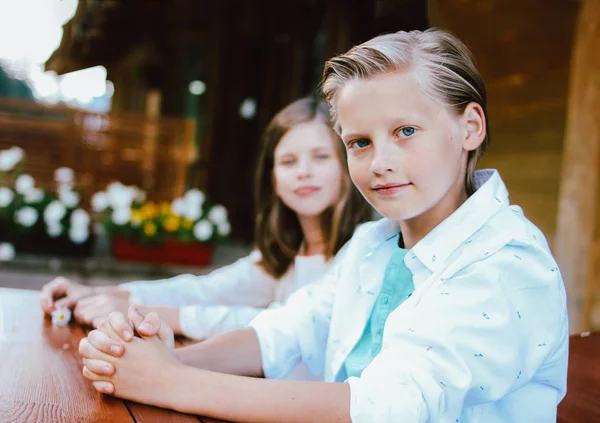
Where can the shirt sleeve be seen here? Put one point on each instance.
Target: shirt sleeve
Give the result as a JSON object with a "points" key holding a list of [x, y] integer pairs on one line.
{"points": [[205, 321], [474, 338], [298, 330], [241, 283]]}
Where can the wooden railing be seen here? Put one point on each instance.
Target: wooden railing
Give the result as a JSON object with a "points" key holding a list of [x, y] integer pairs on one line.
{"points": [[152, 153]]}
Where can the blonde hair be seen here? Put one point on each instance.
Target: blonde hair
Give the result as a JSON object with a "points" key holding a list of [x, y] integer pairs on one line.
{"points": [[441, 64]]}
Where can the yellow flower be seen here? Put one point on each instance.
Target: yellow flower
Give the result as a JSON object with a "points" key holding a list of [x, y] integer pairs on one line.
{"points": [[150, 229], [149, 210], [171, 224], [165, 208], [136, 217], [187, 224]]}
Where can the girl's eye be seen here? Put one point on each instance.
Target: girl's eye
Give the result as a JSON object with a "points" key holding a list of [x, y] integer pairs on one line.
{"points": [[407, 131], [288, 162], [322, 156]]}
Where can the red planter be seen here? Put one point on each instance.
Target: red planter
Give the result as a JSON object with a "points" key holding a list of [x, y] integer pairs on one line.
{"points": [[170, 252]]}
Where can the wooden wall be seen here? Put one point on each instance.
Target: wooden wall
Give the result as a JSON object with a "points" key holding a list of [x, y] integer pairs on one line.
{"points": [[523, 50]]}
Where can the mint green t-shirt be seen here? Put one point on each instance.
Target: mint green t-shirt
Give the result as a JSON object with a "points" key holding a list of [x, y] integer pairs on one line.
{"points": [[396, 288]]}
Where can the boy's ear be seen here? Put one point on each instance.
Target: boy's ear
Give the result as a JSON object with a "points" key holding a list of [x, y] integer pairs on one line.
{"points": [[473, 120]]}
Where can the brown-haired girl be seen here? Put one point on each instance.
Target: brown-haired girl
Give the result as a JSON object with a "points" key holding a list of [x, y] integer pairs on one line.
{"points": [[307, 208]]}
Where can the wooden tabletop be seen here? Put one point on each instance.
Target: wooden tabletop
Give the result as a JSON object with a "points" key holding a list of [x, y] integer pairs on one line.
{"points": [[40, 372]]}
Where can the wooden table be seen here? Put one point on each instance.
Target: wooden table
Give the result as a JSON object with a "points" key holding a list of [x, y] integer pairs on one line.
{"points": [[40, 373]]}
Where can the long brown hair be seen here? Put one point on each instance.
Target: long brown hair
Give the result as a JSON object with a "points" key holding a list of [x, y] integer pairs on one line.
{"points": [[278, 233]]}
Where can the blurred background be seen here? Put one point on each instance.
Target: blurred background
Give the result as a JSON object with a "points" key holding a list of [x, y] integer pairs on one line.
{"points": [[171, 96]]}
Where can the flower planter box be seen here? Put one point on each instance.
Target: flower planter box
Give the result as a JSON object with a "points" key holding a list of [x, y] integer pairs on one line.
{"points": [[38, 242], [169, 252]]}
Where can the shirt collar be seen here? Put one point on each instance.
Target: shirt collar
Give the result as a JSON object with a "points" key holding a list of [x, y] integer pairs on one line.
{"points": [[489, 196], [432, 251]]}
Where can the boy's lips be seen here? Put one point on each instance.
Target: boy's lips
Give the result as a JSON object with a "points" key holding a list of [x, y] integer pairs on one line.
{"points": [[390, 189]]}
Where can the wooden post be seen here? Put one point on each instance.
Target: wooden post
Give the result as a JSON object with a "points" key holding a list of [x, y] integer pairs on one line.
{"points": [[577, 239]]}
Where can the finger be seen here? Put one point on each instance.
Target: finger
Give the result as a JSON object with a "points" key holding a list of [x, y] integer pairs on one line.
{"points": [[87, 350], [100, 367], [89, 375], [147, 326], [65, 302], [121, 326], [102, 342], [154, 325], [54, 288], [136, 317], [84, 313], [105, 326], [104, 387], [79, 311]]}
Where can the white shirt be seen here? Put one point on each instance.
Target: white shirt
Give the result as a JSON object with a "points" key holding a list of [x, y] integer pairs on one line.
{"points": [[230, 297], [483, 338]]}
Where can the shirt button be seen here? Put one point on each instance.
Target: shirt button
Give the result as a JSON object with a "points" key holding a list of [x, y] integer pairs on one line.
{"points": [[379, 331], [386, 300]]}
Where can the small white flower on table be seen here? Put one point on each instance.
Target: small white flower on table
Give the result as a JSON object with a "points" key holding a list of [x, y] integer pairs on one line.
{"points": [[61, 316]]}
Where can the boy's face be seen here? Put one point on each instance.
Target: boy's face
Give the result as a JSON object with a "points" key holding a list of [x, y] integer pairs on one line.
{"points": [[405, 150]]}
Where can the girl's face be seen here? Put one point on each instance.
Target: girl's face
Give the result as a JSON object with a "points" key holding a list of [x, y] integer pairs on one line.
{"points": [[406, 152], [307, 171]]}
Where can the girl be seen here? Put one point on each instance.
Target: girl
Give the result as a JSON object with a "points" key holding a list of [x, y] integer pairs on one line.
{"points": [[307, 208], [450, 309]]}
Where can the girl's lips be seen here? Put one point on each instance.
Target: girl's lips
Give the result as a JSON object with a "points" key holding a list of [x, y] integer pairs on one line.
{"points": [[306, 191]]}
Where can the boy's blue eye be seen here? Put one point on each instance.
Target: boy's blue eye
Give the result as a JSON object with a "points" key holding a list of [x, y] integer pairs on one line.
{"points": [[408, 131], [362, 143]]}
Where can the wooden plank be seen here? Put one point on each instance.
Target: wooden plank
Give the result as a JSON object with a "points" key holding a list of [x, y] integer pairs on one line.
{"points": [[577, 222], [582, 403], [40, 371]]}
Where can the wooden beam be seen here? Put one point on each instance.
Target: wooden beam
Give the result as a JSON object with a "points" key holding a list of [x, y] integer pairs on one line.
{"points": [[577, 239]]}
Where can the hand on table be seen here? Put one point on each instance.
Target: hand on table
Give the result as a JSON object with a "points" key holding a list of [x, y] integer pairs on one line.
{"points": [[120, 364]]}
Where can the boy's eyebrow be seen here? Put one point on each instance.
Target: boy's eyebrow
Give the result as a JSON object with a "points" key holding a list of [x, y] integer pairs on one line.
{"points": [[350, 134], [391, 122]]}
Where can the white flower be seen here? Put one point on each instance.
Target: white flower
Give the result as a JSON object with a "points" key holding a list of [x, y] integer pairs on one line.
{"points": [[203, 230], [80, 218], [178, 206], [194, 197], [61, 316], [34, 196], [192, 213], [9, 158], [17, 153], [27, 216], [120, 196], [224, 228], [7, 252], [6, 196], [64, 175], [24, 184], [99, 201], [79, 234], [121, 216], [54, 230], [218, 214], [67, 196], [54, 213]]}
